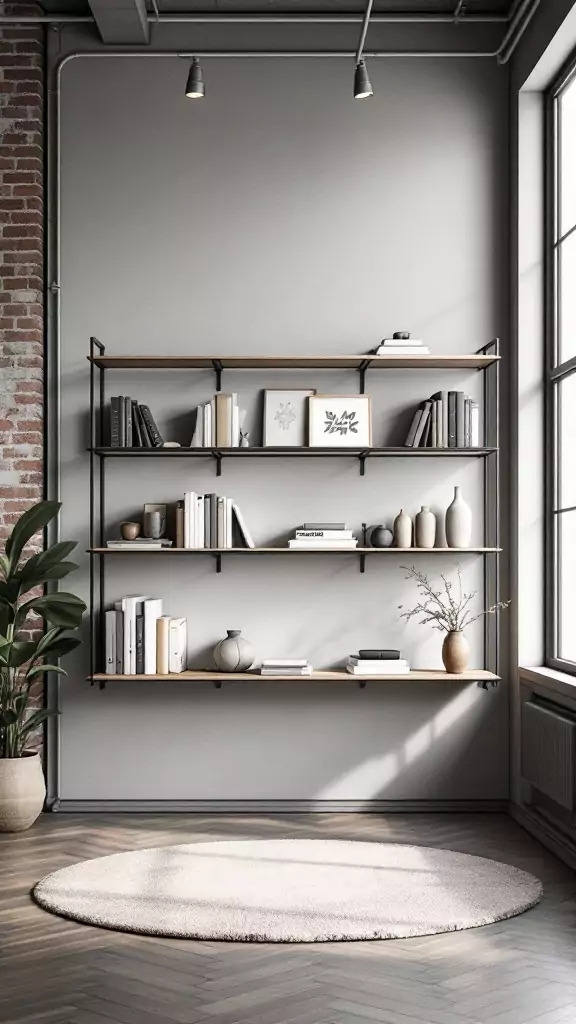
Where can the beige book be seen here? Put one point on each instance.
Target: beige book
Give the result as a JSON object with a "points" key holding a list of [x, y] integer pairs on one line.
{"points": [[180, 525], [223, 420], [162, 644]]}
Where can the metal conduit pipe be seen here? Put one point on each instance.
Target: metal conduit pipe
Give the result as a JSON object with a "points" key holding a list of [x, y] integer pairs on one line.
{"points": [[267, 19], [522, 16]]}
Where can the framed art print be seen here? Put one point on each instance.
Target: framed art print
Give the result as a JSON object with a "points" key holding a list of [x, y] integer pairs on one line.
{"points": [[286, 418], [340, 421]]}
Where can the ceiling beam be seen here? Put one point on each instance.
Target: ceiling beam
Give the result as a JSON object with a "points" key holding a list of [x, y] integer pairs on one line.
{"points": [[122, 22]]}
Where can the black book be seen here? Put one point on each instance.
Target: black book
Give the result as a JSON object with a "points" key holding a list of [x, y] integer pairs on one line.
{"points": [[377, 655], [146, 442], [128, 421], [211, 515], [115, 405], [136, 432], [452, 419], [426, 432], [122, 422], [139, 645], [155, 435], [460, 419]]}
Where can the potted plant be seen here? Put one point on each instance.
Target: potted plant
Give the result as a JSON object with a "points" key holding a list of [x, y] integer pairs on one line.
{"points": [[449, 610], [23, 660]]}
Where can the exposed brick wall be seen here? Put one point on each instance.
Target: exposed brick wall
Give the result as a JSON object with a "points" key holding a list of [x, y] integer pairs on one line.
{"points": [[21, 265]]}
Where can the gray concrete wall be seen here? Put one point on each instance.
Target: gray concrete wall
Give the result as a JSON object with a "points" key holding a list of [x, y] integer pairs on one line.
{"points": [[278, 216]]}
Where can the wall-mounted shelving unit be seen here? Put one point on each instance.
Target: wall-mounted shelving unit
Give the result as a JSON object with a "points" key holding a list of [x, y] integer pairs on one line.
{"points": [[487, 360]]}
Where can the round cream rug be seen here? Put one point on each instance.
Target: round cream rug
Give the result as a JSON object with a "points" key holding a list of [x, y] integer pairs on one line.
{"points": [[289, 890]]}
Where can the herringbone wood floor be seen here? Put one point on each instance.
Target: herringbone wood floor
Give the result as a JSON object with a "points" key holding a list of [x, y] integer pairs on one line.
{"points": [[58, 972]]}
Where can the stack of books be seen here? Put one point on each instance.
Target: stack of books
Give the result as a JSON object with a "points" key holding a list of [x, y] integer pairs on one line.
{"points": [[217, 423], [402, 347], [140, 544], [132, 425], [377, 663], [448, 419], [323, 535], [210, 521], [286, 667], [140, 640]]}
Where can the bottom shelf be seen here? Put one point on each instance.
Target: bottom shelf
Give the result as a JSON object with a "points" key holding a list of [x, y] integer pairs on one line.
{"points": [[478, 675]]}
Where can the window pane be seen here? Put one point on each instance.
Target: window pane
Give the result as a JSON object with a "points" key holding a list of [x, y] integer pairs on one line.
{"points": [[567, 168], [567, 297], [566, 395], [567, 586]]}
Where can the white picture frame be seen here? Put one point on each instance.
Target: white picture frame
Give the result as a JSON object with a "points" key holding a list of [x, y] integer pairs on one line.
{"points": [[286, 418], [340, 421]]}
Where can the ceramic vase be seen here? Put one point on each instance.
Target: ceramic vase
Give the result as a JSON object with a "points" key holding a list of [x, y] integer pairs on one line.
{"points": [[402, 530], [381, 537], [455, 652], [22, 792], [425, 528], [458, 522], [234, 653]]}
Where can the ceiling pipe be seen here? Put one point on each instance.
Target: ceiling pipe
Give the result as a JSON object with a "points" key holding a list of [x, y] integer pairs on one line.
{"points": [[521, 17], [265, 19]]}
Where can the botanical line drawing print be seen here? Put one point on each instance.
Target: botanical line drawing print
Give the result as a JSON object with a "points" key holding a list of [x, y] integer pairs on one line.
{"points": [[344, 424], [285, 416]]}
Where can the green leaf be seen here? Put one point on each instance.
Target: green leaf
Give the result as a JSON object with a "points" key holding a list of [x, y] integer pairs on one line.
{"points": [[35, 720], [35, 519], [61, 609], [55, 572], [18, 653], [7, 717], [44, 668], [62, 647], [34, 569]]}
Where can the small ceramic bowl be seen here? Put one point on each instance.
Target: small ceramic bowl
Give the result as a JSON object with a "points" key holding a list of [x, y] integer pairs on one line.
{"points": [[130, 531]]}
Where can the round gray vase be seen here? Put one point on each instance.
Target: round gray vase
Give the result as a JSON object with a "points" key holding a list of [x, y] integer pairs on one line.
{"points": [[234, 653]]}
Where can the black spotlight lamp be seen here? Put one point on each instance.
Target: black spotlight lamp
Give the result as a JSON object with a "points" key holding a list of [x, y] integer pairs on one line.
{"points": [[195, 83], [362, 87]]}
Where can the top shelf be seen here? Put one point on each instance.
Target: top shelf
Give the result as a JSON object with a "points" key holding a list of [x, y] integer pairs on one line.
{"points": [[357, 362]]}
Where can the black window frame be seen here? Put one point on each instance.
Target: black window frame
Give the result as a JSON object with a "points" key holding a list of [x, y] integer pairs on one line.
{"points": [[554, 371]]}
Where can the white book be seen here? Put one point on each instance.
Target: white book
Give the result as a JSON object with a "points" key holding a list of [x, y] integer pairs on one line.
{"points": [[119, 638], [444, 419], [244, 531], [235, 421], [131, 606], [110, 620], [189, 505], [474, 425], [285, 663], [221, 523], [199, 522], [198, 435], [403, 350], [212, 433], [177, 644], [286, 671], [162, 645], [379, 665], [358, 670], [401, 341], [325, 534], [207, 414], [228, 506], [434, 425], [319, 544], [133, 545], [152, 612], [421, 425]]}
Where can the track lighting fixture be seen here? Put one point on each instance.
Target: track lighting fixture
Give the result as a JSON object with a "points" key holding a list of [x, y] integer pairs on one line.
{"points": [[362, 87], [195, 83]]}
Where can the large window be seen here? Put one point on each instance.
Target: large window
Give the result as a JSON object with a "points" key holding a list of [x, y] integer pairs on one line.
{"points": [[561, 373]]}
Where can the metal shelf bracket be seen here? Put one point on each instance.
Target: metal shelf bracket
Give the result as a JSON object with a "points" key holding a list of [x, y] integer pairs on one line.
{"points": [[217, 364]]}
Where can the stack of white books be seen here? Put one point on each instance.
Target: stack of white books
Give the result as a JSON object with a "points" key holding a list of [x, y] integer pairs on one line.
{"points": [[140, 640], [402, 347], [286, 667], [323, 535], [377, 663], [217, 423]]}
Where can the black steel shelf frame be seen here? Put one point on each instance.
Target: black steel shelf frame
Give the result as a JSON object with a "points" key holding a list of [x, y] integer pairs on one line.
{"points": [[490, 453]]}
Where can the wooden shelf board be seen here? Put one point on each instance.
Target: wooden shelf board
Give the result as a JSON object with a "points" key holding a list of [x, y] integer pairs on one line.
{"points": [[290, 551], [343, 362], [391, 452], [321, 675]]}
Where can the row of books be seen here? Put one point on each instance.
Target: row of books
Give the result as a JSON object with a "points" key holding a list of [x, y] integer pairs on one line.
{"points": [[132, 425], [377, 663], [140, 640], [210, 521], [286, 667], [323, 535], [448, 419], [217, 423]]}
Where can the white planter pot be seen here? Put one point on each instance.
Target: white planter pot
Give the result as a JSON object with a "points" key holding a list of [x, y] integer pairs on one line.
{"points": [[22, 792]]}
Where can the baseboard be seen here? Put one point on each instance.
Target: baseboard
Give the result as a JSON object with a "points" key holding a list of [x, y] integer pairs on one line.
{"points": [[279, 806], [544, 831]]}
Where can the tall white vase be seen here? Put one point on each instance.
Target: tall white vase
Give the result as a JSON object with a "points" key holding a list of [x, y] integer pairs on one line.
{"points": [[458, 522], [402, 530]]}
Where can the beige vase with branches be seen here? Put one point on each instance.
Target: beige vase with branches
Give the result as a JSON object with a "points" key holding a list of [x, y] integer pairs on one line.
{"points": [[455, 652]]}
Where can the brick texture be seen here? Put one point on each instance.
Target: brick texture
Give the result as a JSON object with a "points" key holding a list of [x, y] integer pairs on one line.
{"points": [[21, 265]]}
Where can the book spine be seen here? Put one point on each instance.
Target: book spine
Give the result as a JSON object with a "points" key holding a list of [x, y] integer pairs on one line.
{"points": [[110, 619], [212, 419], [162, 644], [467, 405], [234, 421], [180, 524], [474, 425], [139, 645], [121, 422], [434, 431], [451, 419], [206, 514], [211, 511], [444, 419], [152, 612], [460, 407], [188, 501], [221, 524], [325, 534], [223, 421], [137, 441], [119, 642], [200, 513], [409, 442], [177, 645], [155, 435], [128, 421], [115, 422], [198, 435]]}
